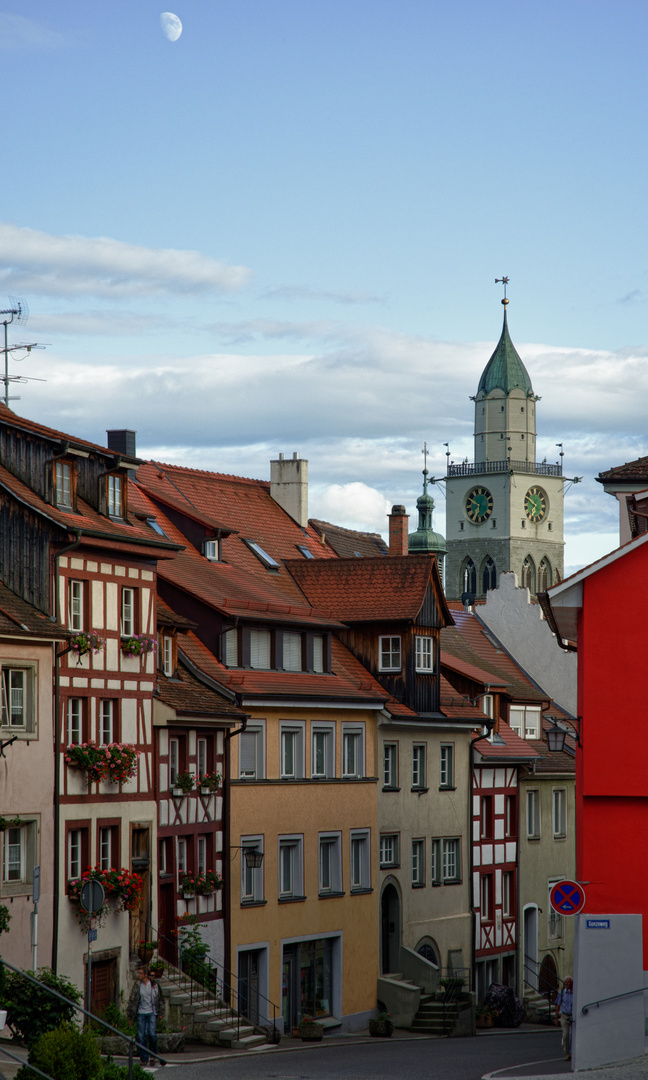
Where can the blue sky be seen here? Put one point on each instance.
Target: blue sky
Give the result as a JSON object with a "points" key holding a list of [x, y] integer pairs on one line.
{"points": [[281, 232]]}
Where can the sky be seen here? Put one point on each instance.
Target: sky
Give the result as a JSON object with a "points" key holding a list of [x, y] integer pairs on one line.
{"points": [[281, 232]]}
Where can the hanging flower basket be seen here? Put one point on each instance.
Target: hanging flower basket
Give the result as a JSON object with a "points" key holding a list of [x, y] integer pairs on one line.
{"points": [[84, 643], [119, 885], [210, 782], [138, 645], [116, 762]]}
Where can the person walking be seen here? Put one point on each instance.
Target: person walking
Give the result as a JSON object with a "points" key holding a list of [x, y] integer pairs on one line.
{"points": [[145, 1004], [564, 1014]]}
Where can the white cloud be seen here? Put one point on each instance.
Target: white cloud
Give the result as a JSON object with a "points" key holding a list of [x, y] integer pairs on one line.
{"points": [[38, 262], [354, 505], [18, 34]]}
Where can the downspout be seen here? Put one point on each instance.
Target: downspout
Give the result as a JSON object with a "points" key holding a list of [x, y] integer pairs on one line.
{"points": [[226, 841], [58, 653]]}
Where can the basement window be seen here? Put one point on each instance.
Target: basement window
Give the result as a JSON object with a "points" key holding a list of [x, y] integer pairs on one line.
{"points": [[267, 560]]}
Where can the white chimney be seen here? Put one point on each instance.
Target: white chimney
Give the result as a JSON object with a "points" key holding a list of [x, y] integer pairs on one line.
{"points": [[289, 487]]}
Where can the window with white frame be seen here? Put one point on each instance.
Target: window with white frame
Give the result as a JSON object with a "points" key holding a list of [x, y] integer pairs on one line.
{"points": [[128, 612], [418, 765], [292, 751], [322, 751], [181, 853], [292, 651], [451, 861], [174, 761], [201, 854], [291, 867], [525, 720], [212, 550], [114, 496], [555, 923], [76, 853], [353, 751], [446, 765], [75, 721], [418, 863], [64, 485], [390, 765], [76, 613], [106, 847], [390, 653], [508, 893], [251, 876], [424, 654], [559, 798], [318, 653], [18, 699], [231, 648], [330, 864], [18, 857], [106, 721], [260, 649], [251, 753], [486, 912], [388, 850], [360, 860], [533, 814], [510, 816], [435, 863], [201, 757], [167, 655]]}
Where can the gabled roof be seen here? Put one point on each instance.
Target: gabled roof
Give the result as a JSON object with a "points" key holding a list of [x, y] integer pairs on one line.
{"points": [[464, 667], [469, 640], [18, 619], [393, 587], [9, 418], [505, 370], [506, 746], [350, 543], [189, 696]]}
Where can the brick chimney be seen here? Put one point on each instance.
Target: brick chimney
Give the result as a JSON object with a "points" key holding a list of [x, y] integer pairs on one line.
{"points": [[289, 487], [398, 520]]}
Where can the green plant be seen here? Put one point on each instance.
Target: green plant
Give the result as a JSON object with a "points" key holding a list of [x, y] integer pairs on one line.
{"points": [[138, 645], [193, 949], [112, 1071], [484, 1010], [116, 762], [211, 781], [65, 1054], [118, 885], [31, 1011], [84, 643], [10, 823], [185, 781], [113, 1015], [5, 919]]}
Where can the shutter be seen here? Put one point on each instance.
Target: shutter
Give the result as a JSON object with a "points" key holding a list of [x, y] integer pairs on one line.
{"points": [[260, 649], [230, 648], [292, 652]]}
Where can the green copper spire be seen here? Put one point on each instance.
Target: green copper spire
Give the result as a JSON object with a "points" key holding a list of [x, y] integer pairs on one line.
{"points": [[425, 541], [505, 371]]}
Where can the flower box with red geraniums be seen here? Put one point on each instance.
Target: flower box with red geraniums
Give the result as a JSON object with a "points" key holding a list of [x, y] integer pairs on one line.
{"points": [[210, 782], [207, 883], [138, 645], [120, 885], [116, 762]]}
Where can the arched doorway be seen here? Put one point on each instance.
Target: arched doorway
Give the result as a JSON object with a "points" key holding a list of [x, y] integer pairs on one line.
{"points": [[390, 912], [548, 979]]}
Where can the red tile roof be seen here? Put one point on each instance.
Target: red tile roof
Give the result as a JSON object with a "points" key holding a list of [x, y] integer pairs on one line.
{"points": [[9, 417], [463, 667], [469, 640], [350, 543], [18, 619], [634, 471], [511, 747]]}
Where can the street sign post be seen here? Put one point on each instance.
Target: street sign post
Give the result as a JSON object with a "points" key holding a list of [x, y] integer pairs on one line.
{"points": [[567, 897]]}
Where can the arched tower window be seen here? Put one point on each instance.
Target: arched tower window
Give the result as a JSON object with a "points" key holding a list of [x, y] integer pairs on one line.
{"points": [[469, 577], [528, 574], [489, 575], [544, 575]]}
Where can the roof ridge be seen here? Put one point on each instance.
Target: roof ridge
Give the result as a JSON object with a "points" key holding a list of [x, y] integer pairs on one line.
{"points": [[162, 465]]}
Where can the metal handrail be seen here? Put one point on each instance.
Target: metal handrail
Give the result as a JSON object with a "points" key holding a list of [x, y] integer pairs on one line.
{"points": [[21, 1061], [132, 1043], [458, 984], [614, 997], [206, 985], [528, 960], [478, 468]]}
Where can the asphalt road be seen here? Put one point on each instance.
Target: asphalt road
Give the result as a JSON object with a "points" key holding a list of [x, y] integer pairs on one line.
{"points": [[524, 1053]]}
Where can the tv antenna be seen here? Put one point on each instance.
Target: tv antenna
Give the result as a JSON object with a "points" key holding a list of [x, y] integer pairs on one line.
{"points": [[18, 313]]}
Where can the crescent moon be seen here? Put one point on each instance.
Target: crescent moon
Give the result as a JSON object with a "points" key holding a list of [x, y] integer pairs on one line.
{"points": [[171, 25]]}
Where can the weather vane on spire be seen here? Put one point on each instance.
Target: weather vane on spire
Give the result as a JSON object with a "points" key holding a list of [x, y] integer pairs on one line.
{"points": [[504, 281], [424, 451]]}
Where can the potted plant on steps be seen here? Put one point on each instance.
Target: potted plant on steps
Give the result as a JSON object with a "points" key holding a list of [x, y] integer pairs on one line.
{"points": [[310, 1030], [484, 1017], [382, 1026], [145, 950]]}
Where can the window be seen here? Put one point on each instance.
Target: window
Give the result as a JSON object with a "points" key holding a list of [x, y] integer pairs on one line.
{"points": [[322, 751], [212, 550], [201, 854], [108, 846], [390, 653], [487, 820], [318, 653], [486, 898], [508, 893], [64, 485], [182, 856], [352, 751], [262, 556], [76, 733], [201, 757], [260, 647], [128, 612], [489, 575], [533, 815], [164, 863], [168, 666], [418, 766], [292, 751], [446, 760], [435, 862], [18, 858], [390, 766], [292, 652], [251, 755], [525, 721], [107, 714], [544, 576], [451, 861], [510, 816], [230, 648], [305, 551], [291, 874], [174, 761], [389, 850], [330, 864], [469, 578], [559, 813], [76, 619], [424, 653], [418, 863], [528, 574], [155, 525], [18, 705], [251, 877], [555, 929], [77, 852], [115, 496], [360, 860]]}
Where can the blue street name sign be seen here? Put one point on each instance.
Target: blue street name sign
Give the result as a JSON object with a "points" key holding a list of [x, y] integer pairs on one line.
{"points": [[92, 935], [567, 897], [597, 924]]}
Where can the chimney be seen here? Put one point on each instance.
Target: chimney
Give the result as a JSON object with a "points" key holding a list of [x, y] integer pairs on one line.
{"points": [[289, 487], [122, 441], [398, 520]]}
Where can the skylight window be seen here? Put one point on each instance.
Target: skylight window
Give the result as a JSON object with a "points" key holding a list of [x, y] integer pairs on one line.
{"points": [[155, 526], [305, 551], [262, 555]]}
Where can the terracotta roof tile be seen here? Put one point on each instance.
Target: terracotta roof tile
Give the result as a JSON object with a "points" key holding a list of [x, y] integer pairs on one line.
{"points": [[189, 696], [469, 640], [634, 471], [21, 620], [350, 543], [510, 747]]}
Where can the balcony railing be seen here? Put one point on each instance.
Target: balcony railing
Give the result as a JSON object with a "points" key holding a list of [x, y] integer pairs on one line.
{"points": [[480, 468]]}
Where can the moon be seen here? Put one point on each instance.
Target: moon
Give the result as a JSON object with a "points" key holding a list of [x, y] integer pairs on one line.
{"points": [[171, 25]]}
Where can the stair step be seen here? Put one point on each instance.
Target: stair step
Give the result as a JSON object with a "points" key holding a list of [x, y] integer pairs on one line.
{"points": [[248, 1042]]}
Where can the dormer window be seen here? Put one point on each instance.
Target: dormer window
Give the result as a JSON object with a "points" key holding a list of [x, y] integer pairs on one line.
{"points": [[168, 655], [65, 485], [212, 550], [267, 560], [390, 653], [115, 496]]}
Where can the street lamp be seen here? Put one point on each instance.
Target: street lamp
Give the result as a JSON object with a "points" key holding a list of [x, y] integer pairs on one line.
{"points": [[253, 857], [557, 734]]}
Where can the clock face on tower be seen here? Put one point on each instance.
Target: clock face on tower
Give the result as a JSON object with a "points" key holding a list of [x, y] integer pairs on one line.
{"points": [[535, 504], [479, 504]]}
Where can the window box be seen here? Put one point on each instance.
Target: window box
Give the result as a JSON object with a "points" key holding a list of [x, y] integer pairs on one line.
{"points": [[138, 645], [183, 783], [116, 762], [210, 782]]}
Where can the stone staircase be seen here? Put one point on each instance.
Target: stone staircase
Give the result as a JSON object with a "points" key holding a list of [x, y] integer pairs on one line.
{"points": [[433, 1018], [536, 1008], [207, 1019]]}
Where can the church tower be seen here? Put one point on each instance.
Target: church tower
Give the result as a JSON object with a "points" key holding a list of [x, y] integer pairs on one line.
{"points": [[504, 510]]}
